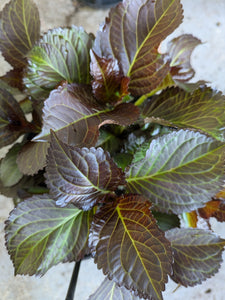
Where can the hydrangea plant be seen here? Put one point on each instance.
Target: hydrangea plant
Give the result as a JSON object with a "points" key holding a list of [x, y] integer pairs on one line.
{"points": [[111, 147]]}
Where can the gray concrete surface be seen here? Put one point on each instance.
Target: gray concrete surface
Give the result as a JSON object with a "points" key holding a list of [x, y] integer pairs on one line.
{"points": [[206, 20]]}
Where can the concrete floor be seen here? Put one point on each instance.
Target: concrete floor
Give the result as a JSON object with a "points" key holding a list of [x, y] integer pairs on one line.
{"points": [[206, 20]]}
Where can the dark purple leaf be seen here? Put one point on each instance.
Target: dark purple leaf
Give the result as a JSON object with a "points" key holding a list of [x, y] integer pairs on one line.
{"points": [[12, 120], [14, 78], [19, 29], [130, 248], [202, 109], [132, 34], [32, 157], [179, 51], [197, 254], [71, 112], [107, 79], [181, 171], [80, 175]]}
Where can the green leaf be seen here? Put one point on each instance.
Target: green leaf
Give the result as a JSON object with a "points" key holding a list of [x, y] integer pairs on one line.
{"points": [[80, 175], [9, 172], [110, 290], [197, 254], [130, 248], [6, 86], [166, 221], [108, 141], [202, 110], [12, 119], [141, 152], [39, 235], [61, 54], [132, 34], [122, 160], [71, 111], [179, 51], [181, 171], [32, 157], [27, 107], [19, 29]]}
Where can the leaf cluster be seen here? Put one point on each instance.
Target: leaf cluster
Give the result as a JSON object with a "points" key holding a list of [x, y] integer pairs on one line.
{"points": [[119, 145]]}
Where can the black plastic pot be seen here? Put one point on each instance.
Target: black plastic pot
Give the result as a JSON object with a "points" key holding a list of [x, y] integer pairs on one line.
{"points": [[99, 3]]}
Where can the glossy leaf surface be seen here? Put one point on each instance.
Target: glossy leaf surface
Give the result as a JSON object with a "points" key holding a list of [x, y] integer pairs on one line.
{"points": [[72, 113], [61, 54], [80, 175], [181, 171], [32, 157], [39, 235], [197, 254], [130, 248], [203, 110], [19, 29], [110, 290], [132, 34], [12, 120], [107, 79]]}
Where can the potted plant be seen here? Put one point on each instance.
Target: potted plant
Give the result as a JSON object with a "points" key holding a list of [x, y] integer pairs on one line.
{"points": [[116, 147]]}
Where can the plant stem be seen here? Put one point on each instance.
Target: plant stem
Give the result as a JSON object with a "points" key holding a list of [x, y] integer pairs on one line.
{"points": [[73, 281]]}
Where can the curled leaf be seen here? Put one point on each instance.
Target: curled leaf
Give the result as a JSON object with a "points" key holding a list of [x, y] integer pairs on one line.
{"points": [[179, 51]]}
